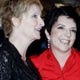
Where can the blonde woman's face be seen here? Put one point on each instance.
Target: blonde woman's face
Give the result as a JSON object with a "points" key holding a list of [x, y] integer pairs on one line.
{"points": [[63, 34], [31, 22]]}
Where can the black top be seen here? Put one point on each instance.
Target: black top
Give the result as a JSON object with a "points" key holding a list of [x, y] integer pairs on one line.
{"points": [[12, 67]]}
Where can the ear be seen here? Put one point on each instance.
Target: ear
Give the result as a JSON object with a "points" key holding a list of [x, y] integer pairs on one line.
{"points": [[47, 34], [15, 21]]}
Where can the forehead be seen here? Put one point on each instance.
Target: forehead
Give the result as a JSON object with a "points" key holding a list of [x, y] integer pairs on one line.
{"points": [[34, 8], [66, 21]]}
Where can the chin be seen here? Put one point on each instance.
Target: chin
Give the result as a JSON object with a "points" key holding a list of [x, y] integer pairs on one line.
{"points": [[65, 50], [37, 36]]}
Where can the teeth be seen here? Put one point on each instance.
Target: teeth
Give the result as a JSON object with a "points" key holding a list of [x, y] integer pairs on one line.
{"points": [[38, 29], [65, 41]]}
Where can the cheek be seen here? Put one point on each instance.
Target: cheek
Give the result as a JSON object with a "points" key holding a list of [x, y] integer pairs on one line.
{"points": [[56, 34], [33, 22], [54, 37], [73, 38], [30, 25], [30, 22]]}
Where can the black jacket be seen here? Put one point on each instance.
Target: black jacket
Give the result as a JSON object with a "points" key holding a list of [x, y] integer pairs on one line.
{"points": [[12, 67]]}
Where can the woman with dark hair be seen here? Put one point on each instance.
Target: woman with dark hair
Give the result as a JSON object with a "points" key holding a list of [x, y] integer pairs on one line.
{"points": [[60, 61]]}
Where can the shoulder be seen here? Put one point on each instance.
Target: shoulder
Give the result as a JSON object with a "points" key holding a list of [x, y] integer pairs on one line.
{"points": [[5, 57], [38, 60], [5, 51], [5, 65], [39, 57], [76, 53]]}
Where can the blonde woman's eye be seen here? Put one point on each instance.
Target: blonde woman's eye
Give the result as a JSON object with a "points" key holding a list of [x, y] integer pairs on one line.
{"points": [[35, 16]]}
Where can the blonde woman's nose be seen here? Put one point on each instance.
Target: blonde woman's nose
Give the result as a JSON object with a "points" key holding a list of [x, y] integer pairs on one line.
{"points": [[42, 22]]}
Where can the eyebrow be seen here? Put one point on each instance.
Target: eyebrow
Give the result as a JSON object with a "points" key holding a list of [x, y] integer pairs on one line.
{"points": [[64, 26], [60, 24]]}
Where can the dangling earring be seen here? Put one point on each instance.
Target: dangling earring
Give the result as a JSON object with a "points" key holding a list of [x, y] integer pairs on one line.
{"points": [[48, 43], [48, 38]]}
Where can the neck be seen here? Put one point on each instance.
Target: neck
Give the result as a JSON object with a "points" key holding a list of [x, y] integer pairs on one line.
{"points": [[21, 43], [61, 56]]}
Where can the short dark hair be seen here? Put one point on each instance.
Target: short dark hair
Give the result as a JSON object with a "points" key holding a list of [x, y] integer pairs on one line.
{"points": [[54, 13]]}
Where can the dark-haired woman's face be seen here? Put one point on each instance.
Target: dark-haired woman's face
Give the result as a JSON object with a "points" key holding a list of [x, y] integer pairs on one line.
{"points": [[63, 34]]}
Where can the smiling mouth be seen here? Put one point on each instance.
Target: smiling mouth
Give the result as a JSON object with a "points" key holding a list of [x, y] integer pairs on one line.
{"points": [[38, 30], [64, 41]]}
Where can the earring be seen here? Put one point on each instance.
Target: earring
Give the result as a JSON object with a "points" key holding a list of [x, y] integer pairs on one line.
{"points": [[48, 43]]}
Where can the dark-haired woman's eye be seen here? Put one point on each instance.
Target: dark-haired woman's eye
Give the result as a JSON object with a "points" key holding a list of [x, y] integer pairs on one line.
{"points": [[74, 31], [60, 27]]}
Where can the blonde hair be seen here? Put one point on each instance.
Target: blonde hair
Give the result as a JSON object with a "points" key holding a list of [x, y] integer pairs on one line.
{"points": [[15, 8]]}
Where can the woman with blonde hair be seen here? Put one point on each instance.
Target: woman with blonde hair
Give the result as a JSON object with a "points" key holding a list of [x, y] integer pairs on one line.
{"points": [[21, 22]]}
